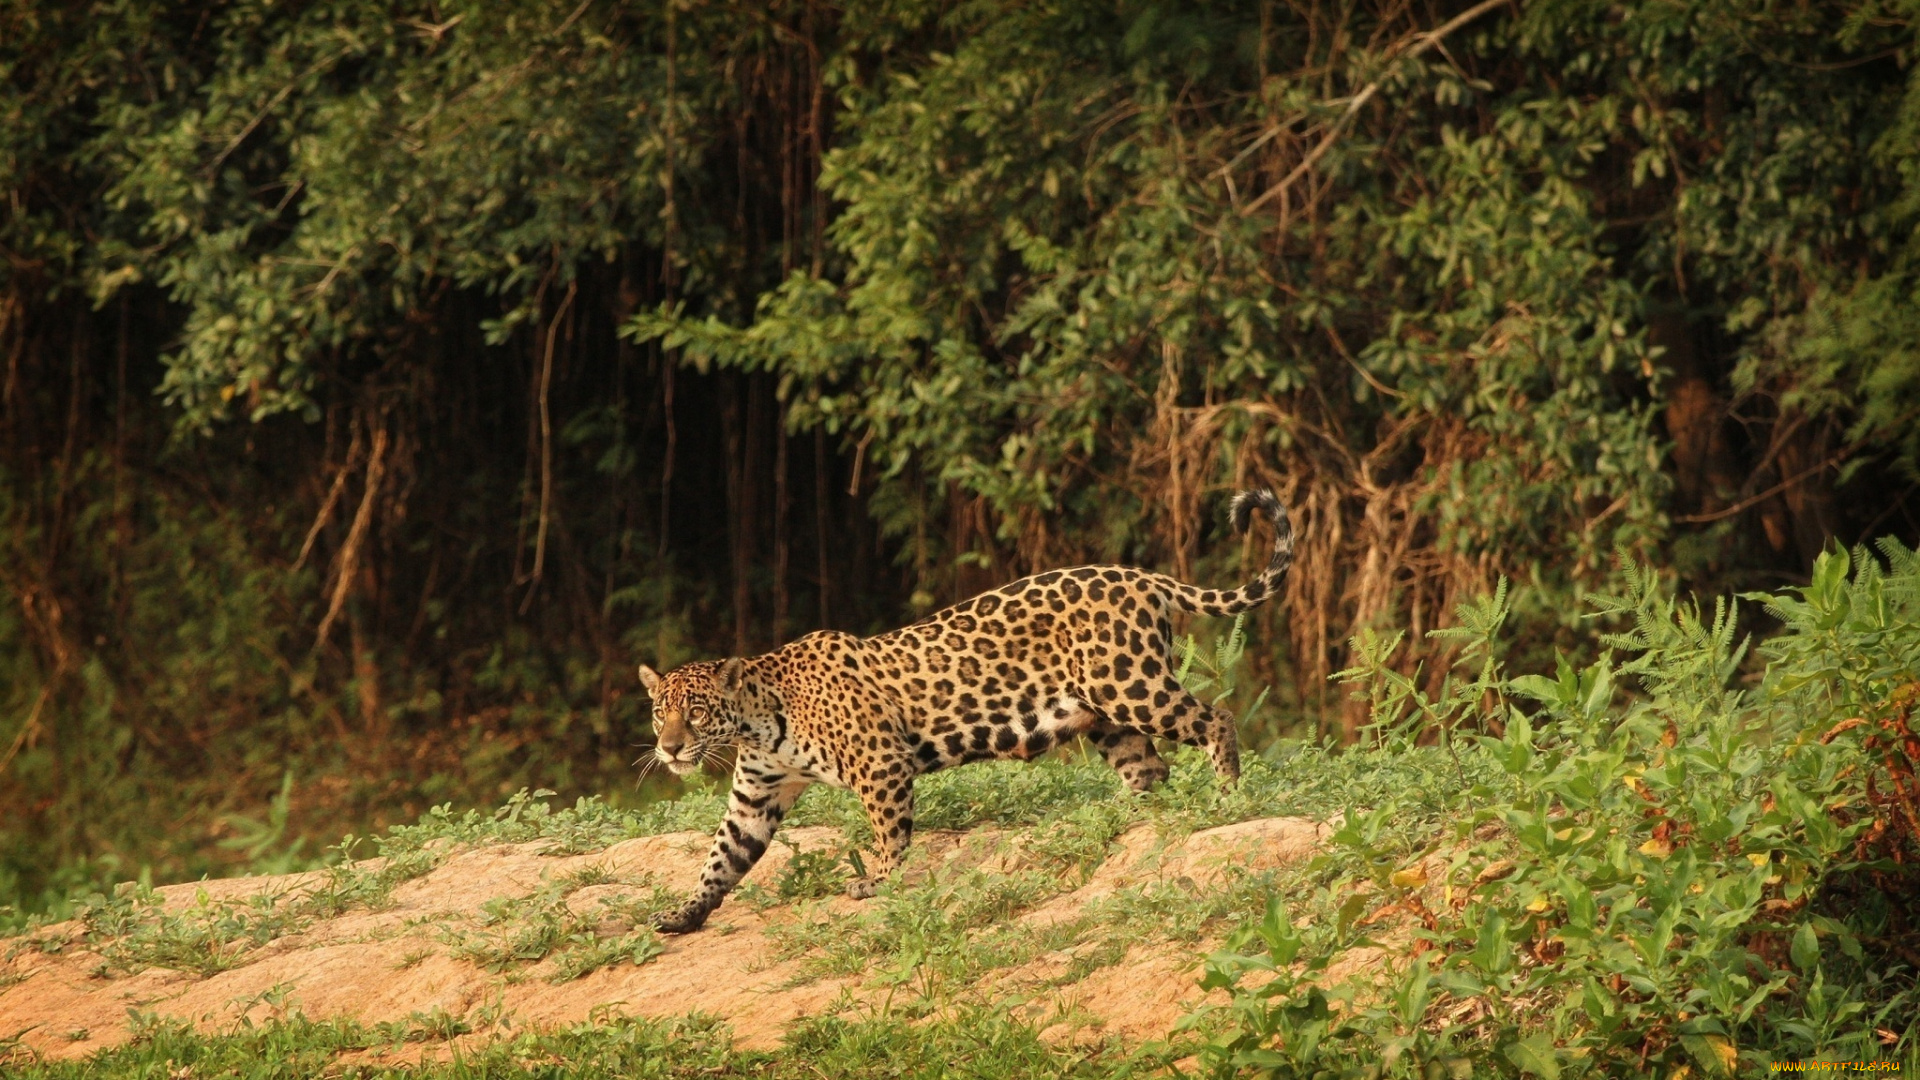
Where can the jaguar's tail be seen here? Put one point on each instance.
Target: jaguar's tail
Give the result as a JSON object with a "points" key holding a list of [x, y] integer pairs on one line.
{"points": [[1253, 593]]}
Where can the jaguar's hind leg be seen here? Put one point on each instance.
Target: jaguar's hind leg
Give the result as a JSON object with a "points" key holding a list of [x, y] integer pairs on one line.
{"points": [[1130, 753], [1164, 708]]}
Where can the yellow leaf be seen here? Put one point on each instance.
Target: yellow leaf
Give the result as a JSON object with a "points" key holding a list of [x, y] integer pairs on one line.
{"points": [[1759, 858], [1539, 904], [226, 392], [1724, 1050], [1657, 847], [1494, 872], [1411, 878]]}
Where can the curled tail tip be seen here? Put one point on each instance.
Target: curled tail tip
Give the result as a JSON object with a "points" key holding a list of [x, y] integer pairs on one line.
{"points": [[1245, 502]]}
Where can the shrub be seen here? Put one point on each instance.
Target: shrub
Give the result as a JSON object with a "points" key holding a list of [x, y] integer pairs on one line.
{"points": [[1681, 873]]}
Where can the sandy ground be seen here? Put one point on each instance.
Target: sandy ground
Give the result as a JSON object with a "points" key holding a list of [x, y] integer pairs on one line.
{"points": [[393, 964]]}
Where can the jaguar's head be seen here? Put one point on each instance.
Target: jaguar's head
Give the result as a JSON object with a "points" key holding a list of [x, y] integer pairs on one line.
{"points": [[696, 711]]}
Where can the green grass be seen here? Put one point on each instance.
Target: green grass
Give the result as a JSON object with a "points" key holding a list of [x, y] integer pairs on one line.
{"points": [[938, 935], [1293, 778], [977, 1043], [948, 929], [132, 930]]}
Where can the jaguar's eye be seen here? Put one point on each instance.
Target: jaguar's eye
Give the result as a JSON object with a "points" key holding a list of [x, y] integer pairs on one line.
{"points": [[696, 714]]}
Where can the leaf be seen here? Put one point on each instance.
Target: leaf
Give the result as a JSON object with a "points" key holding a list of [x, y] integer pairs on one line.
{"points": [[1494, 871], [1541, 689], [1534, 1054], [1715, 1053], [1806, 948], [1597, 1000], [1282, 940], [1414, 993], [1582, 912], [1350, 909], [1492, 953]]}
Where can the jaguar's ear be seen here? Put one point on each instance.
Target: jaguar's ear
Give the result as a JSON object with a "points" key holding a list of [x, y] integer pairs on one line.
{"points": [[650, 679], [729, 677]]}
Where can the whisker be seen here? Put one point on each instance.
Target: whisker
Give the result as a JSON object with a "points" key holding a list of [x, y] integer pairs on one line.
{"points": [[646, 754], [648, 765]]}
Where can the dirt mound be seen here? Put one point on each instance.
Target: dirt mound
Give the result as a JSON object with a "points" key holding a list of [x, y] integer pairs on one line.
{"points": [[483, 941]]}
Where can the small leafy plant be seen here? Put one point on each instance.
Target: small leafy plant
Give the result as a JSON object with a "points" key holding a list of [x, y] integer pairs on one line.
{"points": [[133, 930], [519, 932]]}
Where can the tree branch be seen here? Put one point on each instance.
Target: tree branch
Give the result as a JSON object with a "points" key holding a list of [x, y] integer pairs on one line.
{"points": [[1420, 43], [357, 533], [546, 447]]}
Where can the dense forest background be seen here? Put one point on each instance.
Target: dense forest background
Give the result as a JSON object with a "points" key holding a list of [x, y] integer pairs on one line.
{"points": [[382, 382]]}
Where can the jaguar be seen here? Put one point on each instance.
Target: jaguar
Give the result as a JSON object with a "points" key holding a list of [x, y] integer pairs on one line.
{"points": [[1011, 673]]}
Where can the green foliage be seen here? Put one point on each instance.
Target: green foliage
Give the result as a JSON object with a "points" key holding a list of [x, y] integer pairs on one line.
{"points": [[257, 840], [200, 631], [266, 196], [1679, 878], [133, 930], [1033, 297], [1219, 677], [192, 739], [544, 925], [1401, 710], [811, 875], [363, 131], [1048, 267], [1850, 646]]}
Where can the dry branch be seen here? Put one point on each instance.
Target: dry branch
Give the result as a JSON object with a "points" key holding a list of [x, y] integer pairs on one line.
{"points": [[29, 729], [332, 500], [1408, 49], [356, 536], [546, 446]]}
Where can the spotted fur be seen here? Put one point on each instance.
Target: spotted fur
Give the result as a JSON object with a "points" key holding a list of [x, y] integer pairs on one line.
{"points": [[1008, 674]]}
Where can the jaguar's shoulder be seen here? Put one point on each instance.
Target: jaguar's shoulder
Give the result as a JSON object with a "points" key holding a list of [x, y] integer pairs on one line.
{"points": [[811, 652]]}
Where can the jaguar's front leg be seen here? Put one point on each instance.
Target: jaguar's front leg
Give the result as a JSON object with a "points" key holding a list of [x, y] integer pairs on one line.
{"points": [[754, 810], [888, 798]]}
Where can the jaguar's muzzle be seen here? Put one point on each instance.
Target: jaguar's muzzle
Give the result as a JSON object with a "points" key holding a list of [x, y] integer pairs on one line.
{"points": [[683, 763]]}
